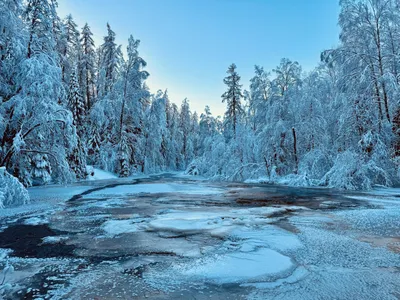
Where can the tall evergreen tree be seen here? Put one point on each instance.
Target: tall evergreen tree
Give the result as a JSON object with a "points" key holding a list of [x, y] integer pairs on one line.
{"points": [[131, 112], [110, 61], [87, 72], [39, 14], [71, 49], [259, 93], [185, 128], [76, 104], [232, 97]]}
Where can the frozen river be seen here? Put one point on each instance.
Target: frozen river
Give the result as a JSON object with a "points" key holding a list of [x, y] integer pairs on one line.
{"points": [[167, 237]]}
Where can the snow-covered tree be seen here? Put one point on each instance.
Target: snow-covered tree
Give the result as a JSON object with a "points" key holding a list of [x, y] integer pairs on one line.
{"points": [[87, 72], [71, 51], [131, 115], [232, 97], [33, 113], [110, 62], [257, 97], [76, 104], [185, 128]]}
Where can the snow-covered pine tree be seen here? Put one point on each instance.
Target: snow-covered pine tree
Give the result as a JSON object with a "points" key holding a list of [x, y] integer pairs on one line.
{"points": [[195, 135], [260, 86], [35, 112], [39, 14], [123, 156], [93, 145], [87, 72], [185, 128], [72, 51], [131, 111], [232, 97], [173, 140], [76, 104], [12, 48], [156, 134], [110, 62], [77, 160]]}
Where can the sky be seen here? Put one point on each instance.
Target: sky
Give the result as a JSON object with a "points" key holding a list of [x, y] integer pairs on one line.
{"points": [[189, 44]]}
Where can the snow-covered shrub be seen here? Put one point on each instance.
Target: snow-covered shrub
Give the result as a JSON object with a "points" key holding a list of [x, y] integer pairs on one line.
{"points": [[315, 164], [41, 169], [192, 170], [352, 172], [294, 180], [90, 170], [12, 192]]}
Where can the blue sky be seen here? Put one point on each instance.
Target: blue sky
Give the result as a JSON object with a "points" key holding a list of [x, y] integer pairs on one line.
{"points": [[189, 44]]}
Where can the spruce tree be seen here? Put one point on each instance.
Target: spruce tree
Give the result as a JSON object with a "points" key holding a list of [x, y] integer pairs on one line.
{"points": [[123, 156], [185, 128], [76, 104], [110, 61], [87, 72], [78, 156], [232, 97]]}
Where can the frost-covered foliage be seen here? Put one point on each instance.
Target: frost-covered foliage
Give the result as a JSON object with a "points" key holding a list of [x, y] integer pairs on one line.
{"points": [[336, 126], [34, 121], [12, 192]]}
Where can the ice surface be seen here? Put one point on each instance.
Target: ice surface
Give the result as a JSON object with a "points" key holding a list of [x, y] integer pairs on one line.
{"points": [[158, 188], [56, 193], [116, 227], [271, 252], [214, 221]]}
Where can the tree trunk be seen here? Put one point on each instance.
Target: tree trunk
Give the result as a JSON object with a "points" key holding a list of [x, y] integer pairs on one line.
{"points": [[296, 160]]}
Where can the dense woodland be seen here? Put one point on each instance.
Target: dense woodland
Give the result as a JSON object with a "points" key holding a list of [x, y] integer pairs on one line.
{"points": [[66, 103]]}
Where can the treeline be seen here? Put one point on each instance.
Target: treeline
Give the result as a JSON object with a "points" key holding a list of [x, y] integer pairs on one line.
{"points": [[66, 102], [336, 126]]}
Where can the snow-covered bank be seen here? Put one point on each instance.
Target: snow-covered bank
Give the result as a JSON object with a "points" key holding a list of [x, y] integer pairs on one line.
{"points": [[98, 174]]}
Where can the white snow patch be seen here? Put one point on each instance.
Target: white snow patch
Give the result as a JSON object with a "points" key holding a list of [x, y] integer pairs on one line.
{"points": [[116, 227], [98, 174], [266, 236], [54, 239], [379, 199], [296, 276], [36, 221], [241, 266]]}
